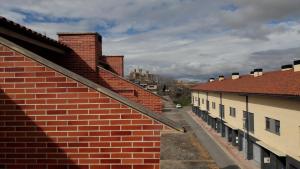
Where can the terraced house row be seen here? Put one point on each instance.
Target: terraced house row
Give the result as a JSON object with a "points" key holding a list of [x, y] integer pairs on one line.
{"points": [[65, 105], [258, 113]]}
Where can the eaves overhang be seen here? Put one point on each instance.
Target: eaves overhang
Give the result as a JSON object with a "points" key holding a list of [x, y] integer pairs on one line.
{"points": [[15, 31]]}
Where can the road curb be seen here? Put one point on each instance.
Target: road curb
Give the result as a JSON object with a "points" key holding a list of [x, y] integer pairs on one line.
{"points": [[236, 161]]}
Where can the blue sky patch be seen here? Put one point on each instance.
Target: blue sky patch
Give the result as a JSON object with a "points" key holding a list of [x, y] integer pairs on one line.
{"points": [[229, 7], [32, 17], [284, 20], [133, 31], [103, 29]]}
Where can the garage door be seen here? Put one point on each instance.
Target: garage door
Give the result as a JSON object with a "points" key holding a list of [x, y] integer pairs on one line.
{"points": [[245, 146], [256, 153]]}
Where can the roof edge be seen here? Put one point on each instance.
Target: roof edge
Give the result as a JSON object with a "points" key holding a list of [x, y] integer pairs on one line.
{"points": [[78, 33], [113, 56], [131, 82], [247, 93], [93, 85]]}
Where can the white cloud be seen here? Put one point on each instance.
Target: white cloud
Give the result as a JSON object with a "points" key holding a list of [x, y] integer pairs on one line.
{"points": [[180, 38]]}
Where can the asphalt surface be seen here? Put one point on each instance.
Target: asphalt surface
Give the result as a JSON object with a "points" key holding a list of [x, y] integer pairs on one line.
{"points": [[219, 156], [193, 149]]}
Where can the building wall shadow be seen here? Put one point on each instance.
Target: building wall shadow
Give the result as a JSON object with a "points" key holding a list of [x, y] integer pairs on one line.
{"points": [[23, 142]]}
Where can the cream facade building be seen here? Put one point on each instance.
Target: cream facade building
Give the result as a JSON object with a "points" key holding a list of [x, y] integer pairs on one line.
{"points": [[258, 113]]}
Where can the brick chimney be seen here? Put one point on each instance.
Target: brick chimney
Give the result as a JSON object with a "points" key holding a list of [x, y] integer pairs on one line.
{"points": [[258, 72], [86, 50], [297, 65], [235, 75], [221, 77], [116, 63], [211, 79]]}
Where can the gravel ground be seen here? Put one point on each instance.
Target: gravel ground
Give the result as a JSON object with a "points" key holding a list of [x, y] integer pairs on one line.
{"points": [[183, 151]]}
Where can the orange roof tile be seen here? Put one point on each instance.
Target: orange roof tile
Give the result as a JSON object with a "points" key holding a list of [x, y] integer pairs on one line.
{"points": [[273, 83]]}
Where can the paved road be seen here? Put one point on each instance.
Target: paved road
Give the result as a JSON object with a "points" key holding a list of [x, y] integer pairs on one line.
{"points": [[193, 149], [220, 157]]}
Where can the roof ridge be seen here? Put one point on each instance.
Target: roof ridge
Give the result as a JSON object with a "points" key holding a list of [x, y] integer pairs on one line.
{"points": [[275, 83], [91, 84], [241, 76], [130, 82]]}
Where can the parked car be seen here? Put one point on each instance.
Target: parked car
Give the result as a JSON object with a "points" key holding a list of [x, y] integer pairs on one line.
{"points": [[178, 106]]}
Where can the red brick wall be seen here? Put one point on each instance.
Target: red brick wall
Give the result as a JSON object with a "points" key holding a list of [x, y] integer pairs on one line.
{"points": [[116, 63], [50, 120], [84, 57], [131, 91]]}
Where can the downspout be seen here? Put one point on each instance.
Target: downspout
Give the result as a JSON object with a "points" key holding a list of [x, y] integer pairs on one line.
{"points": [[192, 99], [247, 128], [222, 111], [198, 99], [193, 102], [207, 102], [198, 108]]}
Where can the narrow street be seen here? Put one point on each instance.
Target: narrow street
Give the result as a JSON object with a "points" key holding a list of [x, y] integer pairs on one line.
{"points": [[193, 149]]}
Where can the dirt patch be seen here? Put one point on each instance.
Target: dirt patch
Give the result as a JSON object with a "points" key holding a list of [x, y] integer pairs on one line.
{"points": [[183, 151]]}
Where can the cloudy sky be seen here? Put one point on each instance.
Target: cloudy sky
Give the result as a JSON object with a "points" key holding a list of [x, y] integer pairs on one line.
{"points": [[185, 39]]}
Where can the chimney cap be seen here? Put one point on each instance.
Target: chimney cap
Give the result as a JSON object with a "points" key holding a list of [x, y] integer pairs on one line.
{"points": [[297, 62], [80, 33], [287, 66], [221, 77], [258, 70], [235, 73], [211, 79], [77, 33]]}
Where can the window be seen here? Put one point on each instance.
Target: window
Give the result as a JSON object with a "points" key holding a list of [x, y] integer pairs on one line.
{"points": [[202, 101], [277, 126], [245, 120], [267, 123], [249, 121], [213, 105], [232, 111], [222, 113], [273, 125], [193, 99]]}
